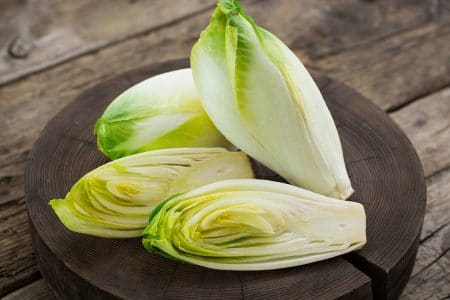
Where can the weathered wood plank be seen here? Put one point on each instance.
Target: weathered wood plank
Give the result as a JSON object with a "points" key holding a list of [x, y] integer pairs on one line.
{"points": [[17, 265], [438, 203], [427, 124], [398, 68], [432, 283], [432, 249], [38, 34], [11, 188], [321, 28], [430, 278], [38, 290]]}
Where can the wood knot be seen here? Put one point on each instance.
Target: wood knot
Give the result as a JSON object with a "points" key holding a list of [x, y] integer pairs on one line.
{"points": [[5, 179], [20, 47]]}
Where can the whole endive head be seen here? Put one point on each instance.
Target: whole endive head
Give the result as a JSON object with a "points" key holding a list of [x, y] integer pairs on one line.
{"points": [[160, 112], [261, 97], [115, 199], [254, 225]]}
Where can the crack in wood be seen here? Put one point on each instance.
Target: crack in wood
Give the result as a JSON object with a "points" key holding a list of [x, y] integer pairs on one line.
{"points": [[429, 236], [433, 262], [419, 97], [242, 286]]}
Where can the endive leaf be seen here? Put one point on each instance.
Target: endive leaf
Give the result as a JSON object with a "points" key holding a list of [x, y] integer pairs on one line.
{"points": [[252, 224], [116, 199], [261, 97], [160, 112]]}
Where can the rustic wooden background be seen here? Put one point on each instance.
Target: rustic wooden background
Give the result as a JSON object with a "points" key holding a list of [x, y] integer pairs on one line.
{"points": [[395, 52]]}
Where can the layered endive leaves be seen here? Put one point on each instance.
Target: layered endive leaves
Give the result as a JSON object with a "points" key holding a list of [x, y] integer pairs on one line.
{"points": [[261, 97], [116, 199], [160, 112], [254, 225]]}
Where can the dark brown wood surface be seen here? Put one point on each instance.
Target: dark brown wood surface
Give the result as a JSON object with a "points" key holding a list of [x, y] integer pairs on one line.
{"points": [[383, 166], [394, 52]]}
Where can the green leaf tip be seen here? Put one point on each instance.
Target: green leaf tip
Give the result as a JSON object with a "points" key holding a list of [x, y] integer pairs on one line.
{"points": [[228, 7], [245, 76], [161, 112]]}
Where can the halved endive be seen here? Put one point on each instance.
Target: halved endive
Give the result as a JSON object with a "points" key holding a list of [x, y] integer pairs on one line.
{"points": [[254, 225], [264, 101], [116, 199], [160, 112]]}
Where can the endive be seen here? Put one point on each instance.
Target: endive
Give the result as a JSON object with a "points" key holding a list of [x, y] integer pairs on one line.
{"points": [[160, 112], [254, 225], [261, 97], [116, 199]]}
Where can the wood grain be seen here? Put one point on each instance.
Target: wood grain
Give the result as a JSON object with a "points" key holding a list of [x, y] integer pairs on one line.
{"points": [[39, 34], [396, 69], [430, 278], [35, 291], [427, 123], [438, 204], [432, 281], [36, 35], [17, 265]]}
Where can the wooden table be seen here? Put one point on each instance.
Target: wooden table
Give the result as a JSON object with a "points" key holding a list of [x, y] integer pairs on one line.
{"points": [[395, 52]]}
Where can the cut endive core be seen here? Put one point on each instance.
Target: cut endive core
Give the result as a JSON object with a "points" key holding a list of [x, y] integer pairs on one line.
{"points": [[116, 199], [254, 225]]}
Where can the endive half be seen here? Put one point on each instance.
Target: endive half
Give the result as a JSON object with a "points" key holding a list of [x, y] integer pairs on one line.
{"points": [[160, 112], [116, 199], [261, 97], [254, 225]]}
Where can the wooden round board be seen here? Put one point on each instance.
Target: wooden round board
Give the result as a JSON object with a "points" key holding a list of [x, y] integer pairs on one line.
{"points": [[385, 172]]}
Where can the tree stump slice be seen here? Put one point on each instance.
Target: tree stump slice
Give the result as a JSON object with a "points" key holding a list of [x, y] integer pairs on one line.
{"points": [[383, 166]]}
